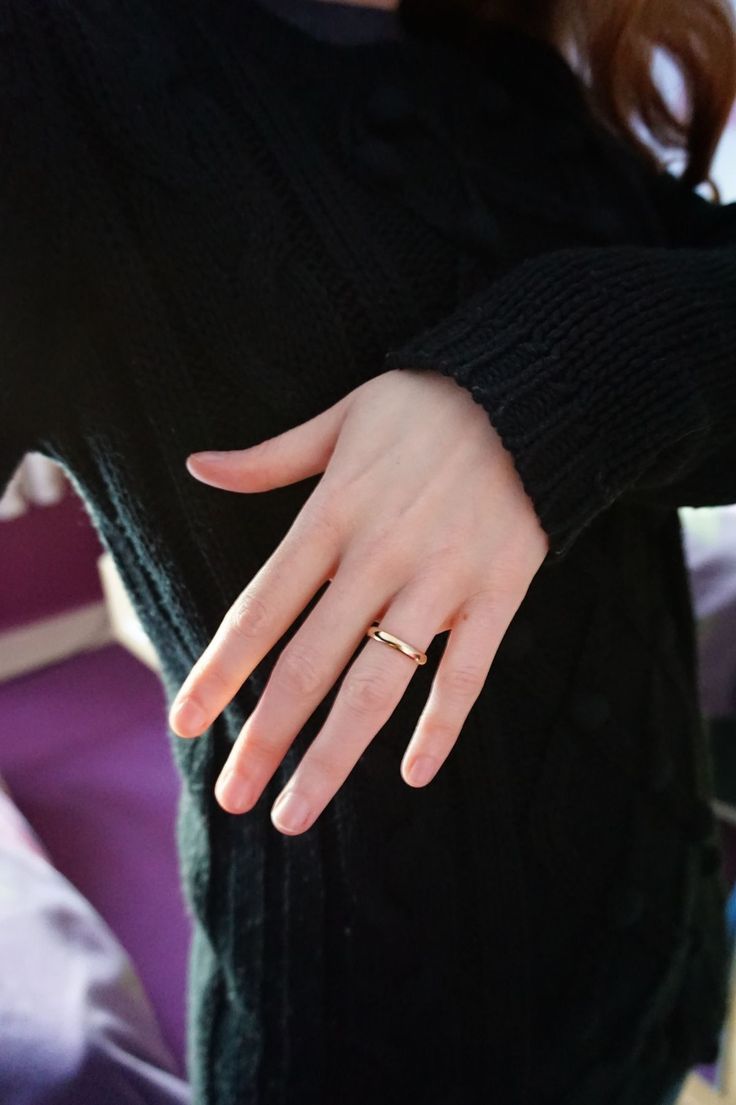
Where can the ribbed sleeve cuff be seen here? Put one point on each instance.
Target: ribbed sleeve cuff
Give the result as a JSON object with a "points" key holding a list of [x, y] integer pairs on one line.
{"points": [[598, 367]]}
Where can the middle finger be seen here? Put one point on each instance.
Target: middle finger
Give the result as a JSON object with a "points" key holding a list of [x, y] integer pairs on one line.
{"points": [[302, 676], [370, 692]]}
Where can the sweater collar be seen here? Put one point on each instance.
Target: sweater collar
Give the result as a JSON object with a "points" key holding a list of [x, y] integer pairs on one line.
{"points": [[530, 65], [340, 23], [519, 60]]}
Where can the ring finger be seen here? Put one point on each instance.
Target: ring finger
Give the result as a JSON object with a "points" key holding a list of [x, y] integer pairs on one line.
{"points": [[370, 691], [303, 674]]}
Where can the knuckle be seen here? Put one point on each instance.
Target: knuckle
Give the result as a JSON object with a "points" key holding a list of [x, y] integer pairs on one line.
{"points": [[451, 552], [248, 615], [211, 683], [257, 748], [491, 616], [188, 701], [321, 766], [492, 612], [446, 570], [205, 681], [462, 682], [448, 583], [366, 693], [297, 674], [378, 554], [322, 518], [438, 733], [505, 579]]}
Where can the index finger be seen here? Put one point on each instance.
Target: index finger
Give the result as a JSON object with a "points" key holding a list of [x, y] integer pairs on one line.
{"points": [[260, 615]]}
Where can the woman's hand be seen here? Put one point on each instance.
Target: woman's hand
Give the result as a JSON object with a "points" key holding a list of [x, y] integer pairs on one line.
{"points": [[420, 522]]}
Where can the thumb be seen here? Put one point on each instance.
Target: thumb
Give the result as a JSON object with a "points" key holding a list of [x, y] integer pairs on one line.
{"points": [[301, 451]]}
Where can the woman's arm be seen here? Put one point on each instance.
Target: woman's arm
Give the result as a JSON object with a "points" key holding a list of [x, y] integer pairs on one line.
{"points": [[607, 371]]}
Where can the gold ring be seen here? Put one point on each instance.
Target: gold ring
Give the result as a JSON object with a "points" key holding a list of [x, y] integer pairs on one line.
{"points": [[396, 642]]}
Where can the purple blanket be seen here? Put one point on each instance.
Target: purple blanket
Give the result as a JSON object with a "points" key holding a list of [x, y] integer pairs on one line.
{"points": [[710, 547], [76, 1027]]}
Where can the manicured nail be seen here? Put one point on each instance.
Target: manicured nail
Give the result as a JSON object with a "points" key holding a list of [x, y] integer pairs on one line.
{"points": [[291, 812], [421, 771], [188, 716], [234, 791]]}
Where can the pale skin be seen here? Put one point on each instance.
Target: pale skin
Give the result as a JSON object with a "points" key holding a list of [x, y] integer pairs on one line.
{"points": [[420, 521]]}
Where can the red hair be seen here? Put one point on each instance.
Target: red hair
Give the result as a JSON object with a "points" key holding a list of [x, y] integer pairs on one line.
{"points": [[612, 44], [617, 40]]}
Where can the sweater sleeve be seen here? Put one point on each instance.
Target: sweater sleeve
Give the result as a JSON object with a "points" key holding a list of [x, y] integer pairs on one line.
{"points": [[32, 157], [608, 372]]}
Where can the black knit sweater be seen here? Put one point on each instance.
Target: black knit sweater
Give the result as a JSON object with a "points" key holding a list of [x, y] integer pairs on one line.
{"points": [[213, 224]]}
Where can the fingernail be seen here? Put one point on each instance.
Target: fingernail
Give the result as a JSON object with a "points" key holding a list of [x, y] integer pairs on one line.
{"points": [[187, 715], [421, 771], [233, 790], [291, 812], [213, 454]]}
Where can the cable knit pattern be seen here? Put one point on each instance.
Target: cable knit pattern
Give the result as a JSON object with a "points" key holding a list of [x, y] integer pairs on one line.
{"points": [[605, 371], [215, 221]]}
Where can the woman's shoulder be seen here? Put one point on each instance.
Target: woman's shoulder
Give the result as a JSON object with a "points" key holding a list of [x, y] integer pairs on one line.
{"points": [[59, 63], [86, 81]]}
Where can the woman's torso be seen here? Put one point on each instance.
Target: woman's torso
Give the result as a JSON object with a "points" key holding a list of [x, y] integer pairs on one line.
{"points": [[263, 215]]}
